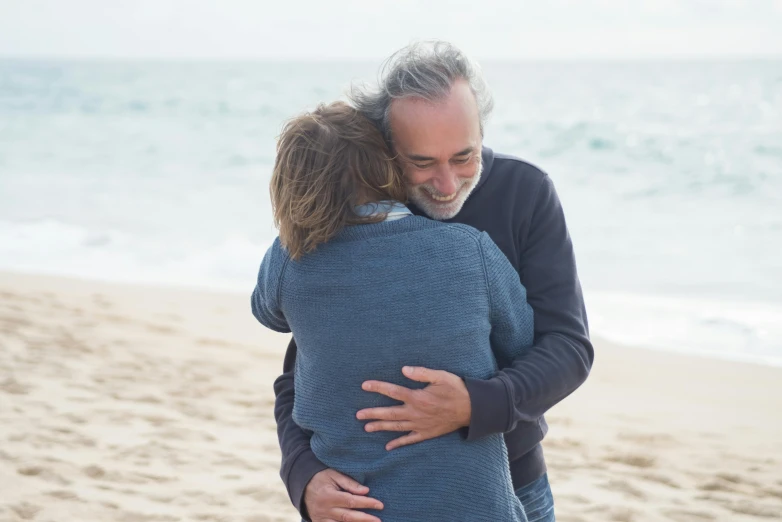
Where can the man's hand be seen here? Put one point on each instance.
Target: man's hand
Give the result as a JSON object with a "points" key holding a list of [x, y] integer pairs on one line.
{"points": [[333, 497], [440, 408]]}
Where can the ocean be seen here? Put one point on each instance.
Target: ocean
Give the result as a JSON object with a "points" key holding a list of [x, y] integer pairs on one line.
{"points": [[670, 175]]}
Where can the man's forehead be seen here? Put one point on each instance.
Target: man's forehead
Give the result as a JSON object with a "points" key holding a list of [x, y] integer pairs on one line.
{"points": [[434, 130]]}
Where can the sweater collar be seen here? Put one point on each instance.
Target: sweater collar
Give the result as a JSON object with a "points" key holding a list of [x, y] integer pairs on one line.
{"points": [[392, 209], [379, 229]]}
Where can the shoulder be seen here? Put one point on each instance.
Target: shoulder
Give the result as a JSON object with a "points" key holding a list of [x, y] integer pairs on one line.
{"points": [[276, 250], [526, 183], [276, 258], [464, 238], [461, 231], [512, 168], [473, 241]]}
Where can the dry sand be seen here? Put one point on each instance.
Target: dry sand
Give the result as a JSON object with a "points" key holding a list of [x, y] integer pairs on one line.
{"points": [[133, 403]]}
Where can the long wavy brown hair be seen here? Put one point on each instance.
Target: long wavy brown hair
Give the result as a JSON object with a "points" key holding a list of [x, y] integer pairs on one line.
{"points": [[329, 161]]}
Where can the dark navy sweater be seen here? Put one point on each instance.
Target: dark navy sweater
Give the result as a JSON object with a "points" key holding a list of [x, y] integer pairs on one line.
{"points": [[517, 205]]}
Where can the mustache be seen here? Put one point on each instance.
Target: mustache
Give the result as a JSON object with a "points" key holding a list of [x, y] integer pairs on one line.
{"points": [[434, 192], [464, 181]]}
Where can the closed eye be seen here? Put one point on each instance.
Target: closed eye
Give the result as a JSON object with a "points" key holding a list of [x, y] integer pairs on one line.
{"points": [[422, 166]]}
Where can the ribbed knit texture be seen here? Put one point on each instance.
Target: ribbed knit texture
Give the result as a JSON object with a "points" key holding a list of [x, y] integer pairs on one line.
{"points": [[381, 296]]}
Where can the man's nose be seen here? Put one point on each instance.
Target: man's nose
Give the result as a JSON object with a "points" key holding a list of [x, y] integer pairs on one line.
{"points": [[445, 181]]}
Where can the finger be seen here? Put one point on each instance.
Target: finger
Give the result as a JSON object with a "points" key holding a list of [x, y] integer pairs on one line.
{"points": [[405, 440], [399, 393], [348, 501], [350, 485], [393, 413], [389, 426], [344, 515], [420, 374]]}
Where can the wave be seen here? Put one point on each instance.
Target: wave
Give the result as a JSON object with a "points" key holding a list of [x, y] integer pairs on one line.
{"points": [[52, 247], [749, 331], [733, 329]]}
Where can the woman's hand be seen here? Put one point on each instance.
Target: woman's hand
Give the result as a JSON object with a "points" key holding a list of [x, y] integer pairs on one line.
{"points": [[440, 408], [333, 497]]}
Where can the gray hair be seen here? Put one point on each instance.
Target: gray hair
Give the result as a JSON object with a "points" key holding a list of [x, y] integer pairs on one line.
{"points": [[425, 70]]}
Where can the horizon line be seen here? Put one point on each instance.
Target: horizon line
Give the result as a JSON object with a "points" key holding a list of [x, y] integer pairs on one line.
{"points": [[377, 59]]}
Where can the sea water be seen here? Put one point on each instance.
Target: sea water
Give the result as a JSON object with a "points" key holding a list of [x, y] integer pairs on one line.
{"points": [[670, 175]]}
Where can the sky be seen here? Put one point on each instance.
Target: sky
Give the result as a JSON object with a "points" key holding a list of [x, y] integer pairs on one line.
{"points": [[368, 29]]}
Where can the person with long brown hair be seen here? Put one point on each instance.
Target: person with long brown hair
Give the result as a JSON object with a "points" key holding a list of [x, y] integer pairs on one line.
{"points": [[366, 287]]}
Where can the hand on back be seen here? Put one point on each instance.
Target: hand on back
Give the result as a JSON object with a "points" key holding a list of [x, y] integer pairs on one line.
{"points": [[333, 497]]}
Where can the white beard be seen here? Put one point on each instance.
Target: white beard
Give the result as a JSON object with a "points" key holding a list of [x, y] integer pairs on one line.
{"points": [[420, 196]]}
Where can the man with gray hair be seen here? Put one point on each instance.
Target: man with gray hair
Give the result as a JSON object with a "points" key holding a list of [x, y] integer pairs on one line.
{"points": [[432, 105]]}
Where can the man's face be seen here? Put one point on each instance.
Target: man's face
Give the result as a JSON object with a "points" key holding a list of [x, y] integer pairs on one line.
{"points": [[439, 148]]}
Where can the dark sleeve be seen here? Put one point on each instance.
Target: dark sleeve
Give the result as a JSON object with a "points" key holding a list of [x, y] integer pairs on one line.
{"points": [[562, 354], [299, 463]]}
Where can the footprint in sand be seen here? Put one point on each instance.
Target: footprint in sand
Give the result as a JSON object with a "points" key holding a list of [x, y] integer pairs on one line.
{"points": [[563, 443], [636, 461], [114, 318], [260, 494], [245, 403], [773, 492], [25, 510], [747, 506], [43, 474], [570, 518], [755, 509], [648, 439], [6, 456], [730, 483], [689, 516], [160, 329], [63, 494], [624, 487], [660, 479], [613, 513], [206, 341], [14, 387], [98, 473], [161, 499], [575, 499]]}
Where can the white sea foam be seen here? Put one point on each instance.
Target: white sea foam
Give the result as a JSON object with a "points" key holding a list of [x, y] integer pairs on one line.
{"points": [[50, 247], [729, 329]]}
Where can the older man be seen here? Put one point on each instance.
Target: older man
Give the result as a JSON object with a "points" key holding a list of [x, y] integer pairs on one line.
{"points": [[431, 105]]}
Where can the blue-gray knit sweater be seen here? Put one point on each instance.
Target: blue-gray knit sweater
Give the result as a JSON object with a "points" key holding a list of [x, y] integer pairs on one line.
{"points": [[380, 296]]}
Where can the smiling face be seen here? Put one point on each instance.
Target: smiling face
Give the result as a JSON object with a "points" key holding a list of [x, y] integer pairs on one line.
{"points": [[439, 148]]}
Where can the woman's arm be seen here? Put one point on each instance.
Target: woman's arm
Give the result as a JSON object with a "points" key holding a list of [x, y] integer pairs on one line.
{"points": [[512, 326], [512, 333], [266, 296]]}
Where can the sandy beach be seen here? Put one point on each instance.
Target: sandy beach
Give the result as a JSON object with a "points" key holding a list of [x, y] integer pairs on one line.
{"points": [[134, 403]]}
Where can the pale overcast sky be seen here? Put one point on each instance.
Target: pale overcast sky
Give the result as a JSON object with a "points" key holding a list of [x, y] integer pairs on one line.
{"points": [[323, 29]]}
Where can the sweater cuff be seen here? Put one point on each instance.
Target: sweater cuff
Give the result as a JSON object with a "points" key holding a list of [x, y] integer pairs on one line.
{"points": [[303, 469], [490, 406]]}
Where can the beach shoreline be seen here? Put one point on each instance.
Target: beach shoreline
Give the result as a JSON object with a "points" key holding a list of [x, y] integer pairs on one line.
{"points": [[673, 324], [139, 402]]}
